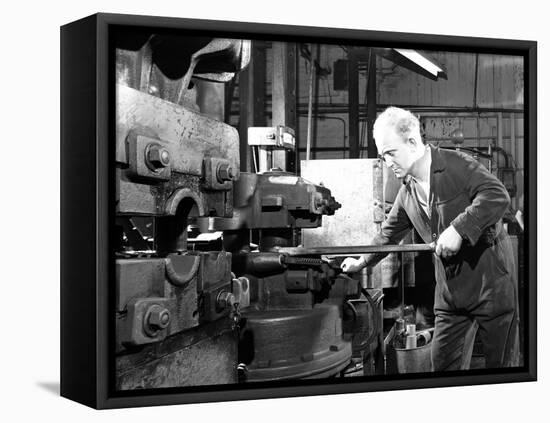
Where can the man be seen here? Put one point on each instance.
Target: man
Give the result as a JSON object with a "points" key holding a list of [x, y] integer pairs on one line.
{"points": [[453, 201]]}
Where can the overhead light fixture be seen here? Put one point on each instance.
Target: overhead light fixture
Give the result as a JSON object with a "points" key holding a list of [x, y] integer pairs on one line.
{"points": [[422, 61], [415, 61]]}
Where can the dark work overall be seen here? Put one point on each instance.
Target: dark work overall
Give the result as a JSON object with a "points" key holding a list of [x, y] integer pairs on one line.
{"points": [[477, 287]]}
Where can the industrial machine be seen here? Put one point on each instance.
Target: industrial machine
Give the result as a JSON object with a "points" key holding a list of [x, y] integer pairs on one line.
{"points": [[244, 308]]}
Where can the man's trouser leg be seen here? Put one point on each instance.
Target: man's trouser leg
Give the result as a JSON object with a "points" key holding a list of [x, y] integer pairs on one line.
{"points": [[454, 332], [453, 341], [499, 325], [496, 314]]}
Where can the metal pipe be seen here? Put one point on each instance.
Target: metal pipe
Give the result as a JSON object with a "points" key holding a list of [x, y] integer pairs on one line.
{"points": [[372, 151], [353, 106], [342, 108], [514, 151], [356, 250], [402, 281], [310, 107], [365, 103], [475, 80], [500, 142]]}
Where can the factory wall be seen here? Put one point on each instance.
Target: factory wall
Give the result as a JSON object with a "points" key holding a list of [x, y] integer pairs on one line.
{"points": [[499, 82], [498, 92]]}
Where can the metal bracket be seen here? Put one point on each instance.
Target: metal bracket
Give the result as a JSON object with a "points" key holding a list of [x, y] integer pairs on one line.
{"points": [[140, 327], [278, 137], [219, 174], [240, 287]]}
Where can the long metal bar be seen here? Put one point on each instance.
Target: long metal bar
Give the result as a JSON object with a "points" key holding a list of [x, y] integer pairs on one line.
{"points": [[245, 118], [402, 282], [342, 108], [310, 107], [372, 151], [514, 151], [283, 103], [353, 107], [354, 250]]}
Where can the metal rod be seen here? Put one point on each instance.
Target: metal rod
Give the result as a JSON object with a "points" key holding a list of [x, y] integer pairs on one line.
{"points": [[354, 250], [514, 151], [366, 104], [402, 281], [475, 81], [310, 105], [353, 104], [372, 151], [342, 108], [245, 120]]}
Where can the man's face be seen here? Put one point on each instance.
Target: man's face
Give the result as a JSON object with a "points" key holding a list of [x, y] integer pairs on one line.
{"points": [[398, 154]]}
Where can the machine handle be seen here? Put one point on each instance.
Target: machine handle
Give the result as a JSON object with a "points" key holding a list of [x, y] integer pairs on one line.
{"points": [[354, 250]]}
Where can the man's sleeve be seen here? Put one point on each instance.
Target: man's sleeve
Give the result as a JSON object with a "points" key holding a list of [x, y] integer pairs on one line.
{"points": [[393, 229], [489, 201]]}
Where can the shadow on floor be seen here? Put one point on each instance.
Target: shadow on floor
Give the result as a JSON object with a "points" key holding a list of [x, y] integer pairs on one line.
{"points": [[51, 387]]}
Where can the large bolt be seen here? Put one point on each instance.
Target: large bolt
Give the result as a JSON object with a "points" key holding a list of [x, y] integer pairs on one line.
{"points": [[225, 172], [319, 202], [157, 156], [158, 317], [224, 300]]}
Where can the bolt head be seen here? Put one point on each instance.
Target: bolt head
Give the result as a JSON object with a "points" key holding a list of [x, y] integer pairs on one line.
{"points": [[225, 299], [318, 202], [225, 172], [159, 317], [165, 156], [158, 156]]}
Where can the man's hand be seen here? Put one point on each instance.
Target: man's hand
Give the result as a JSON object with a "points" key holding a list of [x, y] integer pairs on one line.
{"points": [[448, 243], [351, 265]]}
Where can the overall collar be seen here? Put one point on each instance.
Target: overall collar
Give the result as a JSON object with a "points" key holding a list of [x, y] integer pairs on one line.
{"points": [[438, 161], [438, 164]]}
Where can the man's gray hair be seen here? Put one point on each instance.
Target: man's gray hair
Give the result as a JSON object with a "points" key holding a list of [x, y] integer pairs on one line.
{"points": [[403, 122]]}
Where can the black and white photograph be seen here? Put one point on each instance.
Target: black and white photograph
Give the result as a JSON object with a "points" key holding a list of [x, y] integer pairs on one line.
{"points": [[329, 213], [299, 212], [275, 212]]}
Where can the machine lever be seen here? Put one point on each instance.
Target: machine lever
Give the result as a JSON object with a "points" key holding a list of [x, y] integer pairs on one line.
{"points": [[355, 250]]}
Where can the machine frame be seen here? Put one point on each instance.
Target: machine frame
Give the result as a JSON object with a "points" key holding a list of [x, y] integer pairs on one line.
{"points": [[87, 213]]}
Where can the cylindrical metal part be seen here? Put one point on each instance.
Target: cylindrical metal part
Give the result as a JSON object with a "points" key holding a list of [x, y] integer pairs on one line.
{"points": [[271, 239], [297, 280], [364, 278], [237, 241], [423, 338], [260, 263], [170, 234], [410, 342], [293, 344]]}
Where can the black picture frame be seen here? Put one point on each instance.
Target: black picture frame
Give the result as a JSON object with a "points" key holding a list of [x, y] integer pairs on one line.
{"points": [[87, 107]]}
